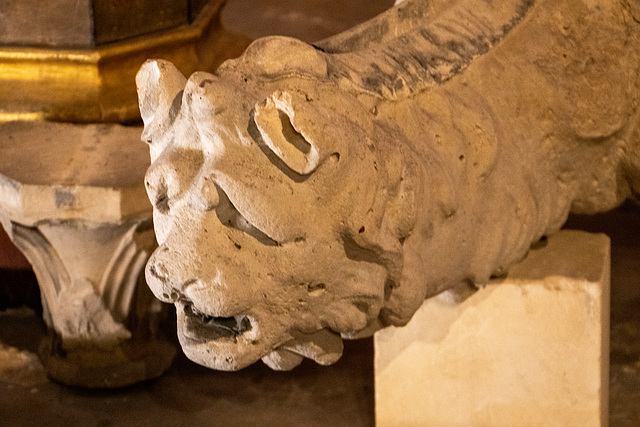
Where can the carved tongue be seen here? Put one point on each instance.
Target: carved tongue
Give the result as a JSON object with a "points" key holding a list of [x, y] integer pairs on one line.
{"points": [[282, 360], [324, 347]]}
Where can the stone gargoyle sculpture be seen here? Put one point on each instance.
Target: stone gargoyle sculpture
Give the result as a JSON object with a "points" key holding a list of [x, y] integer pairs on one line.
{"points": [[309, 193]]}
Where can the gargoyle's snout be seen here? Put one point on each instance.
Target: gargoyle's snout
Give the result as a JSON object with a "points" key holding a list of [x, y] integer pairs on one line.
{"points": [[169, 177], [159, 278], [214, 330], [166, 290], [212, 293]]}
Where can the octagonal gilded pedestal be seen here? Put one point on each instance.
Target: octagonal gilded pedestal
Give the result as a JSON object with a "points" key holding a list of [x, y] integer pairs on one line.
{"points": [[76, 61]]}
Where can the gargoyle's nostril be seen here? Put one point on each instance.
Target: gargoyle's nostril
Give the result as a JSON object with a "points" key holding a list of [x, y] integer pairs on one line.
{"points": [[157, 188], [173, 297], [162, 203], [316, 288], [157, 271], [158, 193]]}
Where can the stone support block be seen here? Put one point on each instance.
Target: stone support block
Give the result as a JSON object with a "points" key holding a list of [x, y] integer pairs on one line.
{"points": [[530, 349], [72, 200]]}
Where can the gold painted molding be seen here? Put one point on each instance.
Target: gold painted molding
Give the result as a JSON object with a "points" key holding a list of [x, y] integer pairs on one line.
{"points": [[98, 85]]}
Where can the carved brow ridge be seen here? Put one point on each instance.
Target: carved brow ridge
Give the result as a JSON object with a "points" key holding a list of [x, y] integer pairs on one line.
{"points": [[231, 217]]}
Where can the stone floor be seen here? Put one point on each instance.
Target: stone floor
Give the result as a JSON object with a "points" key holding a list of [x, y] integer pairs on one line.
{"points": [[188, 394]]}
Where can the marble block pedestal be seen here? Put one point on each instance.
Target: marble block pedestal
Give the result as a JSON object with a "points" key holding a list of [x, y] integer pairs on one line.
{"points": [[72, 199], [530, 349]]}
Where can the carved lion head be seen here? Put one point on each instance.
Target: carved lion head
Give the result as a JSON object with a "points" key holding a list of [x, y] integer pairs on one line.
{"points": [[280, 218]]}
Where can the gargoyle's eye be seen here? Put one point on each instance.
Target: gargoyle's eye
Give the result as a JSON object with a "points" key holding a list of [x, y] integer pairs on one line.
{"points": [[230, 217]]}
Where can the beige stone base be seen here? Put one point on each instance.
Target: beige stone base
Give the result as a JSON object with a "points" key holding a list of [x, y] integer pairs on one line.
{"points": [[72, 199], [528, 350]]}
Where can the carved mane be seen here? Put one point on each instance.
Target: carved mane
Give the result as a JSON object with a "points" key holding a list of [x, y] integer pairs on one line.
{"points": [[419, 44]]}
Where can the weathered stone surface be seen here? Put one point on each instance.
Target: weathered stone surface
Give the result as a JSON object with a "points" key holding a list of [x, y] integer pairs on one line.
{"points": [[63, 171], [72, 200], [335, 187], [530, 349]]}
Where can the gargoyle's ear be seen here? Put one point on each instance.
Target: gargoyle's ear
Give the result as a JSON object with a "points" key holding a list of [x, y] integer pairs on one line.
{"points": [[285, 126], [281, 56], [159, 82]]}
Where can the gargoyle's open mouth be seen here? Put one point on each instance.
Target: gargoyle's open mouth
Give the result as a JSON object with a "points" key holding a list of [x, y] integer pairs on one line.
{"points": [[234, 342], [201, 326]]}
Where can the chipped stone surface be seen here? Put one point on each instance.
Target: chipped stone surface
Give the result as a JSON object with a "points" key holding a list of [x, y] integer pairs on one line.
{"points": [[337, 186], [530, 349]]}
